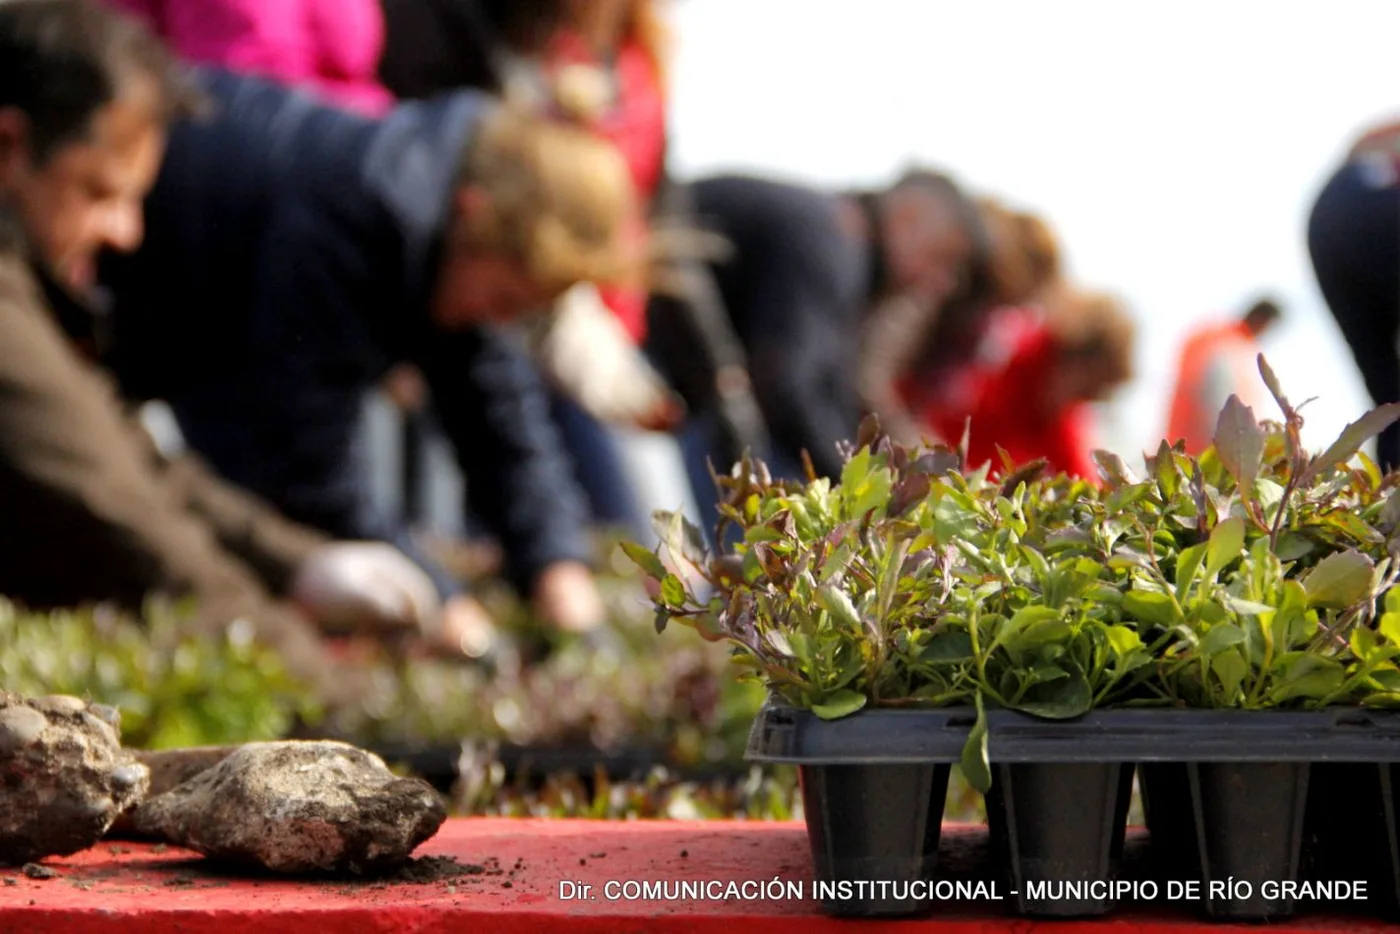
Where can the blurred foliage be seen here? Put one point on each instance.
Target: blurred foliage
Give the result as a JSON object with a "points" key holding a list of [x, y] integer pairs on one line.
{"points": [[761, 794], [173, 688], [547, 689]]}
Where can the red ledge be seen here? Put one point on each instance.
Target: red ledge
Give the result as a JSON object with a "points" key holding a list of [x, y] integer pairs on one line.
{"points": [[123, 886]]}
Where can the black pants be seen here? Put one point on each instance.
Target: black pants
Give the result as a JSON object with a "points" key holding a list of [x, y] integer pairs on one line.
{"points": [[1354, 241]]}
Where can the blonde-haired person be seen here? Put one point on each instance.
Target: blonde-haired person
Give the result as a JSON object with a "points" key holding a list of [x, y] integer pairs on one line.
{"points": [[600, 64], [294, 252]]}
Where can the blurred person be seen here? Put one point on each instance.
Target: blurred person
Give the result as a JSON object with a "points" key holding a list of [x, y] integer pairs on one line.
{"points": [[319, 246], [1058, 357], [1218, 361], [915, 351], [805, 268], [94, 510], [1354, 242], [432, 46], [600, 63], [329, 47]]}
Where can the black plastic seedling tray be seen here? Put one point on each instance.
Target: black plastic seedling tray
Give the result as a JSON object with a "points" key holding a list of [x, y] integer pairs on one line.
{"points": [[1226, 794]]}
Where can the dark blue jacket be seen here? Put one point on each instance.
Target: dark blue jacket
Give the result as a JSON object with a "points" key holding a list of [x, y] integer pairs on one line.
{"points": [[291, 250]]}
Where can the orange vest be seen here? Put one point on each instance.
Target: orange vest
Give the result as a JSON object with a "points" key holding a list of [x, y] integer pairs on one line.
{"points": [[1218, 360]]}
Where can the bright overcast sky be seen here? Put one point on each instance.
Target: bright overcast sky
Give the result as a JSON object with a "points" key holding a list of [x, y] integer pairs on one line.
{"points": [[1176, 149]]}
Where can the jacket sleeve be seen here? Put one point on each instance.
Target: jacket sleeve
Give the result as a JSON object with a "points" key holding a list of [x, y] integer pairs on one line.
{"points": [[893, 334], [272, 545], [97, 521], [494, 408], [802, 364]]}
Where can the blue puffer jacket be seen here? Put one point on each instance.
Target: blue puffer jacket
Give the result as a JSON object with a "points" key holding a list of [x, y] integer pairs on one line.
{"points": [[290, 254]]}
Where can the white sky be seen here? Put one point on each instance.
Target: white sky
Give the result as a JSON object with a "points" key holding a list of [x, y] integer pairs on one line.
{"points": [[1175, 149]]}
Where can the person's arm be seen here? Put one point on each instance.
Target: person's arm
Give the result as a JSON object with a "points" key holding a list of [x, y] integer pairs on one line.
{"points": [[894, 332], [802, 359], [494, 409], [274, 546], [93, 506]]}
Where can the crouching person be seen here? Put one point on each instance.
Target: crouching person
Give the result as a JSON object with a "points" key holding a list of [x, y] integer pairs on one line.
{"points": [[92, 510], [293, 251]]}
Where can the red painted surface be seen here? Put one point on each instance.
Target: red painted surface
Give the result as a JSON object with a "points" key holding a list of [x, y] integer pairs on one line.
{"points": [[125, 886]]}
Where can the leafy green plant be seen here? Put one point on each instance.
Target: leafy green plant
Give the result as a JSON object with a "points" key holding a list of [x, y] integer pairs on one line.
{"points": [[172, 688], [1246, 577]]}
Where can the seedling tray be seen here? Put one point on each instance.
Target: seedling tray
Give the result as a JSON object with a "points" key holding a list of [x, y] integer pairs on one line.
{"points": [[1226, 794]]}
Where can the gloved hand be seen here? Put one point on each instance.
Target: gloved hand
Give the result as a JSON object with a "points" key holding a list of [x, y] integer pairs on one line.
{"points": [[367, 586], [587, 354]]}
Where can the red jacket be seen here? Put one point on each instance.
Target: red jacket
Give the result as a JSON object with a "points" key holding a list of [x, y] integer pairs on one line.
{"points": [[999, 390], [636, 124]]}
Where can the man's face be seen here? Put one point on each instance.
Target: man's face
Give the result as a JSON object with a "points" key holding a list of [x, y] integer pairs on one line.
{"points": [[926, 247], [86, 196], [476, 288]]}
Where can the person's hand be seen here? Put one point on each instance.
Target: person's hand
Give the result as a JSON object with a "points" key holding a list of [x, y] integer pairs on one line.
{"points": [[567, 598], [467, 629], [360, 586], [406, 388]]}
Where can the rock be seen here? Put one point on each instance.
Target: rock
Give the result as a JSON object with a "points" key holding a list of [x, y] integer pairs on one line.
{"points": [[64, 774], [298, 807], [171, 768]]}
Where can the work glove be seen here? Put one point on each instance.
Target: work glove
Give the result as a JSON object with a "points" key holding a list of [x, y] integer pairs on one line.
{"points": [[367, 587]]}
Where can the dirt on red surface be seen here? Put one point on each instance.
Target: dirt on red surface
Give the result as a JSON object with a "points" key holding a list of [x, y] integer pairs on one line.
{"points": [[518, 876]]}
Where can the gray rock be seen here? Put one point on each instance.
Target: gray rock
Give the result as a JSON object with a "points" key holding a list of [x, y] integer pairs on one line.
{"points": [[171, 768], [64, 776], [298, 807]]}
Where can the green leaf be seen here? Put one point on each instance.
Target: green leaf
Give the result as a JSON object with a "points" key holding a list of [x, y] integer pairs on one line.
{"points": [[660, 620], [1229, 669], [1339, 580], [1188, 568], [1239, 443], [1125, 496], [1122, 640], [1389, 627], [953, 646], [1220, 638], [871, 494], [855, 471], [1352, 438], [1226, 544], [1168, 477], [673, 592], [1315, 684], [976, 767], [1151, 607], [1242, 607], [839, 704], [1061, 700], [649, 563], [838, 603]]}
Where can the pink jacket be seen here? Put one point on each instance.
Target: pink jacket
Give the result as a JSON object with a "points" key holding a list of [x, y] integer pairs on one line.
{"points": [[331, 47]]}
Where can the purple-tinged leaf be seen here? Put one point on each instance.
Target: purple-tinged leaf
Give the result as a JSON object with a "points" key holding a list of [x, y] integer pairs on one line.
{"points": [[1239, 443], [1112, 468], [1352, 438], [1027, 474], [1275, 390]]}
